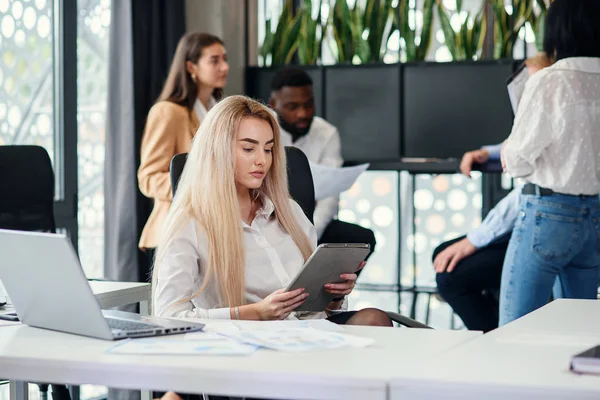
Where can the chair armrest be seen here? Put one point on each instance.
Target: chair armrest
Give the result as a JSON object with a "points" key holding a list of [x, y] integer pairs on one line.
{"points": [[405, 321]]}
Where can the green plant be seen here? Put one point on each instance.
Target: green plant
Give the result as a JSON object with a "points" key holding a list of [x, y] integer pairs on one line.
{"points": [[467, 43], [414, 51], [282, 44], [312, 32], [377, 21], [507, 25], [538, 23], [347, 30]]}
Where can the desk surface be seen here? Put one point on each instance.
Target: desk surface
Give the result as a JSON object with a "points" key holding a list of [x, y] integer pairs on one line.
{"points": [[441, 166], [113, 294], [32, 354], [528, 358], [416, 165]]}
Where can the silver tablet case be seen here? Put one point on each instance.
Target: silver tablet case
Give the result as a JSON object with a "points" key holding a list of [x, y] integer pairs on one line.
{"points": [[326, 264]]}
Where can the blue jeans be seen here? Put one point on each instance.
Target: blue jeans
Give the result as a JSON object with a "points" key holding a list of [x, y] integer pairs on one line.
{"points": [[556, 235]]}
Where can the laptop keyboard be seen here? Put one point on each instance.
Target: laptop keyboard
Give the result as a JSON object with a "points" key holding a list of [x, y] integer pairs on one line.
{"points": [[127, 325]]}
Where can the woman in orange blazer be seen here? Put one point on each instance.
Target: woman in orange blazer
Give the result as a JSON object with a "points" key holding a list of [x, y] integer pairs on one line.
{"points": [[196, 78]]}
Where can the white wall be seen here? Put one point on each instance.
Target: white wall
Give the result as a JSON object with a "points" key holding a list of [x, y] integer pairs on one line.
{"points": [[226, 19]]}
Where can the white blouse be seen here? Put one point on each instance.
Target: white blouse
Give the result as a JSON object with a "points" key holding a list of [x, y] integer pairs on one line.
{"points": [[200, 110], [272, 260], [555, 141]]}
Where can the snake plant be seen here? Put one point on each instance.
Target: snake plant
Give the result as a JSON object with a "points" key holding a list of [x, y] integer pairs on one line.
{"points": [[347, 30], [467, 43], [414, 51], [538, 23], [377, 24], [282, 44], [312, 32], [507, 25]]}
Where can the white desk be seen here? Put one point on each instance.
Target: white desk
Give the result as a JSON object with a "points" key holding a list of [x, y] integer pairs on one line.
{"points": [[113, 294], [109, 294], [31, 354], [526, 359]]}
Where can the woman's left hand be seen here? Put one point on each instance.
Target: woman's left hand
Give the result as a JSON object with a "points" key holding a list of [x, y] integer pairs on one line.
{"points": [[344, 288]]}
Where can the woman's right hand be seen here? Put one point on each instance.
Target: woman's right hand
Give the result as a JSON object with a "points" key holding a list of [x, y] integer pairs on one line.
{"points": [[279, 304]]}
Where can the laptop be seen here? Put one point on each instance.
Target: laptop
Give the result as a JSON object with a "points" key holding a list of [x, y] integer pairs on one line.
{"points": [[48, 289]]}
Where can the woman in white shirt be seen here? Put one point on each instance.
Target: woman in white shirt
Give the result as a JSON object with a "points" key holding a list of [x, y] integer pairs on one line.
{"points": [[233, 238], [555, 146]]}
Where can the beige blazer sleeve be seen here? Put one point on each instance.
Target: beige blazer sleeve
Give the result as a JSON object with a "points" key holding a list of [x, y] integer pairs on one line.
{"points": [[166, 121]]}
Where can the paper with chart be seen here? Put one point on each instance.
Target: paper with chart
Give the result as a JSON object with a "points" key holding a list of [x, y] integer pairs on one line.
{"points": [[232, 327], [209, 344], [298, 339], [331, 181], [320, 324]]}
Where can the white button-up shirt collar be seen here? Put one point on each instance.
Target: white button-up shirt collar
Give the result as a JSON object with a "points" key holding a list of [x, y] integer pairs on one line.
{"points": [[272, 261], [200, 110]]}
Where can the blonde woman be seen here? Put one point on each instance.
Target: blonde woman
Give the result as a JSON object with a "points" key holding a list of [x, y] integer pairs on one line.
{"points": [[233, 238]]}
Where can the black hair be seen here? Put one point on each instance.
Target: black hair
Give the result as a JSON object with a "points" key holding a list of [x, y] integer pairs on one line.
{"points": [[572, 29], [290, 77]]}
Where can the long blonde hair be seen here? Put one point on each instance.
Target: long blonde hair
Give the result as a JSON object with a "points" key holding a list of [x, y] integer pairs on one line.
{"points": [[207, 194]]}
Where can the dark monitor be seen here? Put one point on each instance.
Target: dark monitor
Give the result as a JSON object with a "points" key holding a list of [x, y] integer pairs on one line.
{"points": [[363, 102], [450, 108], [258, 84]]}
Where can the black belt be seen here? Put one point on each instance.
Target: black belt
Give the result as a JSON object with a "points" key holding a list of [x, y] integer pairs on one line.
{"points": [[531, 188]]}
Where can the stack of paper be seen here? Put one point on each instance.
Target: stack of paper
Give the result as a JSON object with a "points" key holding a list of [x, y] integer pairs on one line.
{"points": [[245, 337], [298, 339], [204, 344], [288, 335]]}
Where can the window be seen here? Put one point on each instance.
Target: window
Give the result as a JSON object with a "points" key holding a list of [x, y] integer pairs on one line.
{"points": [[26, 71], [37, 104], [93, 22]]}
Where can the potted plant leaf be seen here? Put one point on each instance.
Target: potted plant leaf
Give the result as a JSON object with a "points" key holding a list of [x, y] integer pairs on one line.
{"points": [[467, 43]]}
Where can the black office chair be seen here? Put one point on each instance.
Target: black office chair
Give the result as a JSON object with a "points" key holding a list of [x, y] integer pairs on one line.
{"points": [[302, 190], [27, 187], [27, 204]]}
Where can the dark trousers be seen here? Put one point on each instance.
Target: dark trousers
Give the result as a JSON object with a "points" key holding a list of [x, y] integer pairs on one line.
{"points": [[344, 232], [472, 287]]}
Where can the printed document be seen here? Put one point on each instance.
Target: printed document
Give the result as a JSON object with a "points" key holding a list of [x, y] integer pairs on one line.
{"points": [[298, 339], [516, 87], [331, 181], [209, 344]]}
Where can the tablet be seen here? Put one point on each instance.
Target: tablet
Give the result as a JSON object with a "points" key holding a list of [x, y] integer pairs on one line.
{"points": [[325, 265]]}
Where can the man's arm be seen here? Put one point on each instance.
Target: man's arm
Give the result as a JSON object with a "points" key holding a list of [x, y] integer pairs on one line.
{"points": [[493, 151], [499, 221]]}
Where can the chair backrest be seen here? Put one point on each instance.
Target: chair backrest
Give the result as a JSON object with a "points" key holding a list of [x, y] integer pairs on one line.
{"points": [[27, 189], [176, 168], [300, 179]]}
